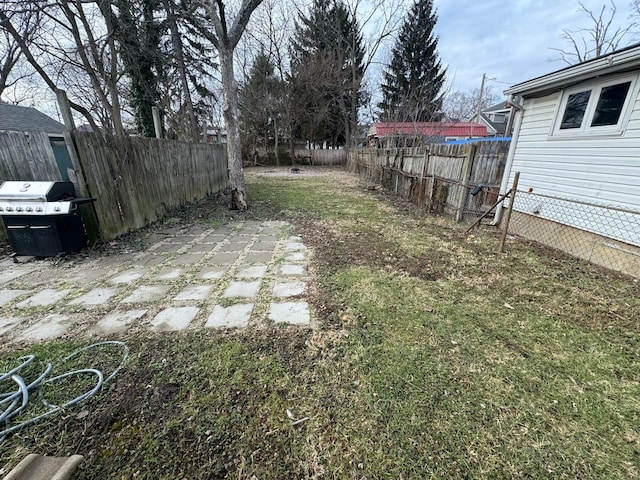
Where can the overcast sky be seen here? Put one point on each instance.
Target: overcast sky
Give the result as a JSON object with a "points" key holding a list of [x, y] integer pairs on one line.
{"points": [[509, 40]]}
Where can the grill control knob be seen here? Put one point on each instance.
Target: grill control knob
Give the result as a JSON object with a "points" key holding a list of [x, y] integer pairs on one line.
{"points": [[1, 209], [29, 209], [56, 209], [18, 209], [38, 209], [9, 209]]}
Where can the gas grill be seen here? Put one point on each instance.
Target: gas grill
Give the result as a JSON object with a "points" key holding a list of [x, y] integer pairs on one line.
{"points": [[42, 218]]}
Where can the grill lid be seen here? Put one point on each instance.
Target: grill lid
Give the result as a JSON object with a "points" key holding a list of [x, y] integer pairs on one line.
{"points": [[37, 191]]}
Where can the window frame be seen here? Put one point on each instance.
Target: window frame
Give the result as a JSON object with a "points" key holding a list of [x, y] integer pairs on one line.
{"points": [[595, 87]]}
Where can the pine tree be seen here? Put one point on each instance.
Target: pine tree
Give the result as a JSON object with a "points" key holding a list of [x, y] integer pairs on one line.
{"points": [[139, 34], [413, 80], [326, 73], [261, 102]]}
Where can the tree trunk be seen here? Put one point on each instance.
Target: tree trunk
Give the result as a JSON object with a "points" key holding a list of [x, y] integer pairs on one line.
{"points": [[232, 119]]}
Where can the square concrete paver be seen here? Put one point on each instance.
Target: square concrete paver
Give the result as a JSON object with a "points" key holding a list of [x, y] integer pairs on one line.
{"points": [[224, 258], [295, 256], [86, 276], [289, 289], [234, 316], [147, 293], [294, 313], [202, 247], [169, 274], [258, 257], [168, 248], [97, 296], [10, 323], [150, 260], [9, 274], [187, 259], [212, 273], [118, 321], [194, 292], [51, 326], [213, 239], [264, 246], [128, 276], [292, 269], [173, 318], [242, 289], [234, 246], [7, 296], [253, 271], [295, 245], [44, 298], [182, 239]]}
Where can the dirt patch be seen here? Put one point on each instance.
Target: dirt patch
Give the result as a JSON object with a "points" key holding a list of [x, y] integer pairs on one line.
{"points": [[337, 251]]}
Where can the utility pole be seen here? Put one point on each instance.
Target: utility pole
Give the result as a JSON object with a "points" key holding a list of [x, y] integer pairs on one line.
{"points": [[484, 76]]}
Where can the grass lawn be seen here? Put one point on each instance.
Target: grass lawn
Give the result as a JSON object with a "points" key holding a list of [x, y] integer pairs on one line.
{"points": [[432, 356]]}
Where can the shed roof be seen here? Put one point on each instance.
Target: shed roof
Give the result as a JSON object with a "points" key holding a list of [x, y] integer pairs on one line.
{"points": [[624, 60], [14, 118], [428, 129]]}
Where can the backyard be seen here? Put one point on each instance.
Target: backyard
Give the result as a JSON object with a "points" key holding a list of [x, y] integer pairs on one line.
{"points": [[430, 356]]}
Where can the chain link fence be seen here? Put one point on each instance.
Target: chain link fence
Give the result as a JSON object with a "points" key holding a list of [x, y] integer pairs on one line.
{"points": [[602, 234]]}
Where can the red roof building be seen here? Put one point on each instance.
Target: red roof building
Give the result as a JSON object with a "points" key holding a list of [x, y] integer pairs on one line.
{"points": [[419, 133]]}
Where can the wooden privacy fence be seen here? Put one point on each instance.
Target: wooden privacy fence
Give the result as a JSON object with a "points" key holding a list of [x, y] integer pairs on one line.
{"points": [[138, 180], [321, 157], [438, 177], [135, 180], [27, 156]]}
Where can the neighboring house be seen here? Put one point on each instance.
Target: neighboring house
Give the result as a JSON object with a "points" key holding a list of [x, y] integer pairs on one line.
{"points": [[216, 135], [410, 134], [14, 118], [576, 144], [496, 119]]}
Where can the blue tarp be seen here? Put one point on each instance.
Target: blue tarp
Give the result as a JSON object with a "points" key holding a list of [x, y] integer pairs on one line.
{"points": [[476, 140]]}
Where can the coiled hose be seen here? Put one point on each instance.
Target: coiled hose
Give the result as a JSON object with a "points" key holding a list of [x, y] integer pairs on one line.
{"points": [[16, 401]]}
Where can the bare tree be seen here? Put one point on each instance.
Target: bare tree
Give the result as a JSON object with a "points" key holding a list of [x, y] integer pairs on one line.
{"points": [[11, 67], [69, 50], [599, 38], [463, 106], [225, 38]]}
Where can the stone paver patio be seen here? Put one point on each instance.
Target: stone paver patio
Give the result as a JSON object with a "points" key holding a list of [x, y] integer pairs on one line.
{"points": [[197, 277]]}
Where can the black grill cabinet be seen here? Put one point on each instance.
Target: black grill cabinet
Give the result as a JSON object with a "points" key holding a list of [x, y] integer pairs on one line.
{"points": [[42, 218]]}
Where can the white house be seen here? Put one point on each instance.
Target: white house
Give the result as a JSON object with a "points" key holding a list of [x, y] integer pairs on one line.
{"points": [[576, 144]]}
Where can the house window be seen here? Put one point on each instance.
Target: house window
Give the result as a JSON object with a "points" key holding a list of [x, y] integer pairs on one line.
{"points": [[594, 109], [610, 104], [575, 110]]}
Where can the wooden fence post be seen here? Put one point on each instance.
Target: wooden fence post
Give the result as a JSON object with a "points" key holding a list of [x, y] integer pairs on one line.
{"points": [[77, 176], [466, 175], [157, 121], [507, 218]]}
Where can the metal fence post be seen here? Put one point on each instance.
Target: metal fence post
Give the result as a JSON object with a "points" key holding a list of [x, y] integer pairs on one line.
{"points": [[507, 218]]}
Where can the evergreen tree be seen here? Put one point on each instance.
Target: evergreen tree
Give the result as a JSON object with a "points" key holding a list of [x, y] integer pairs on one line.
{"points": [[261, 102], [326, 73], [138, 34], [412, 83]]}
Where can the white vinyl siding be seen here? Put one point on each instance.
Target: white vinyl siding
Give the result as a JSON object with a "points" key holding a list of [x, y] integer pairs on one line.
{"points": [[602, 170]]}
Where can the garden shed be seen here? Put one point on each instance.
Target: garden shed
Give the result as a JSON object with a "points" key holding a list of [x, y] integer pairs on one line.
{"points": [[576, 144]]}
